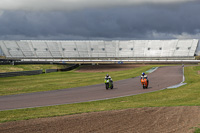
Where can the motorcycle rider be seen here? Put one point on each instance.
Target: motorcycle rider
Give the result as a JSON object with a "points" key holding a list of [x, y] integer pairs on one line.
{"points": [[108, 77], [145, 77]]}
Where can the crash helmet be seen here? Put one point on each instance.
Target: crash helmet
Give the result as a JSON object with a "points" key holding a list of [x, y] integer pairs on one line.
{"points": [[107, 75], [143, 74]]}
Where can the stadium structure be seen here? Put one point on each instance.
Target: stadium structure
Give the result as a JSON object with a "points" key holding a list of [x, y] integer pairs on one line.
{"points": [[100, 50]]}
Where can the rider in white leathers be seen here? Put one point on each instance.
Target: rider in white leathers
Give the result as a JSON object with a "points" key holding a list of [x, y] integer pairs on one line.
{"points": [[108, 77], [145, 76]]}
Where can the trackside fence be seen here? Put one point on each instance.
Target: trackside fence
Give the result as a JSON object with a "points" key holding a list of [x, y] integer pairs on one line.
{"points": [[20, 73], [65, 69], [69, 68], [36, 72], [50, 70]]}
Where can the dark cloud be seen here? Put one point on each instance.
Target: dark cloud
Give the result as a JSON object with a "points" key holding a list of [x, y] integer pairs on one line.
{"points": [[144, 21], [69, 5]]}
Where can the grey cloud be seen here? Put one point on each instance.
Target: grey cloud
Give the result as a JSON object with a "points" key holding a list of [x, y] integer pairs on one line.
{"points": [[38, 5], [145, 21]]}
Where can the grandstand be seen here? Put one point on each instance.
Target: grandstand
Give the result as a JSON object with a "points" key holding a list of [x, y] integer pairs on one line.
{"points": [[99, 49]]}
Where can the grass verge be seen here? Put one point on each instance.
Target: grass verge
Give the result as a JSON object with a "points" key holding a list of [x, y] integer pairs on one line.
{"points": [[197, 130], [61, 80], [187, 95], [28, 67]]}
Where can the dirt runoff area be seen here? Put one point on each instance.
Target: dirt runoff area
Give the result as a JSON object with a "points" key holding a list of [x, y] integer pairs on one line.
{"points": [[107, 67], [139, 120]]}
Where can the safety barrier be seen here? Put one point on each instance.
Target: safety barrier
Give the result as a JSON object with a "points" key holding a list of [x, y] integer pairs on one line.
{"points": [[69, 68], [36, 72], [51, 70], [20, 73], [65, 69], [131, 61]]}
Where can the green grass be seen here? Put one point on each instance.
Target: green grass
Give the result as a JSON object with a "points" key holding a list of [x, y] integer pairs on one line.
{"points": [[14, 68], [197, 130], [61, 80], [197, 57], [187, 95]]}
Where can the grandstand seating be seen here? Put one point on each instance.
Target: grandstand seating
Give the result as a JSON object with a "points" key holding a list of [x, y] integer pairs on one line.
{"points": [[101, 48], [32, 49], [55, 49], [12, 49], [4, 49], [125, 48], [69, 49], [94, 48], [168, 48], [41, 49], [27, 50], [140, 48]]}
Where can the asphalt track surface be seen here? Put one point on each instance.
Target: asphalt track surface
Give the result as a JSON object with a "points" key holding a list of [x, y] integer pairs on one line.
{"points": [[162, 78]]}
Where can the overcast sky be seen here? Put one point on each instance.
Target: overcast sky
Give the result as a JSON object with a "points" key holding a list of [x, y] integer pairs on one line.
{"points": [[99, 19]]}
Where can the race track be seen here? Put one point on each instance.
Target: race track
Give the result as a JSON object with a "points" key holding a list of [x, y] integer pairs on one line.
{"points": [[163, 77]]}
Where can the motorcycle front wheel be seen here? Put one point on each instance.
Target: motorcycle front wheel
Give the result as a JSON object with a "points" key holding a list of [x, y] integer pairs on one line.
{"points": [[144, 86], [111, 87], [107, 86]]}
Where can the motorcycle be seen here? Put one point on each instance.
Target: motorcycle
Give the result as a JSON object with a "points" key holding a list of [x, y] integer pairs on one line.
{"points": [[144, 83], [108, 83]]}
